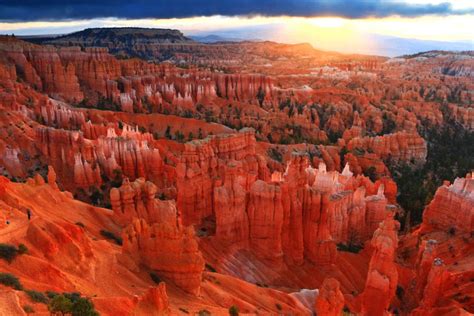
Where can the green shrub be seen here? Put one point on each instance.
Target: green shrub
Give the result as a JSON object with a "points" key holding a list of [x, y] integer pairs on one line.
{"points": [[278, 306], [72, 296], [275, 154], [51, 294], [109, 235], [60, 304], [155, 277], [204, 312], [28, 309], [22, 249], [10, 280], [36, 296], [349, 248], [233, 310], [450, 148], [8, 252], [84, 307]]}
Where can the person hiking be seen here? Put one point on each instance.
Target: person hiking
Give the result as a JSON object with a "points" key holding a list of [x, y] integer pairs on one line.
{"points": [[28, 212]]}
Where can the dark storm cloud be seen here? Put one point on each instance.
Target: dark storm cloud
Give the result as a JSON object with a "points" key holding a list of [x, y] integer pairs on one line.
{"points": [[33, 10]]}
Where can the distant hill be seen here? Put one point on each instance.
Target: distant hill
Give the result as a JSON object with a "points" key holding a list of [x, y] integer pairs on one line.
{"points": [[213, 38], [160, 45], [122, 41], [438, 53], [130, 35], [360, 43]]}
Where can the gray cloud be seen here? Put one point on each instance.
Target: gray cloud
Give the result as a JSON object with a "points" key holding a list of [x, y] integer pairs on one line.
{"points": [[54, 10]]}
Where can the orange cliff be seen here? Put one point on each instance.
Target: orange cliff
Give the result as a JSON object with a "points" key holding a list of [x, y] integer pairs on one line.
{"points": [[92, 74], [202, 163], [66, 252], [400, 146], [129, 153], [452, 207], [444, 261], [264, 205], [43, 69], [436, 277], [137, 200], [382, 278], [330, 300], [167, 248], [300, 214], [154, 235]]}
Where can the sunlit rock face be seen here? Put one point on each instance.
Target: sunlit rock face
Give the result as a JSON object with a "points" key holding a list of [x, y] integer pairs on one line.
{"points": [[452, 207], [382, 277], [330, 300], [169, 249]]}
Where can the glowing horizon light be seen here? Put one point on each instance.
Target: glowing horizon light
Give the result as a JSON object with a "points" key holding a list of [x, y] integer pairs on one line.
{"points": [[332, 33], [328, 22]]}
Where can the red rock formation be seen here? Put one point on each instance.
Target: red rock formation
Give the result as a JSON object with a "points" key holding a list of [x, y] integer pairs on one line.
{"points": [[94, 67], [319, 245], [293, 186], [452, 207], [137, 200], [61, 242], [229, 202], [43, 68], [265, 212], [12, 163], [52, 178], [128, 153], [330, 300], [382, 277], [153, 302], [436, 285], [463, 115], [167, 248], [84, 175], [203, 161], [400, 146]]}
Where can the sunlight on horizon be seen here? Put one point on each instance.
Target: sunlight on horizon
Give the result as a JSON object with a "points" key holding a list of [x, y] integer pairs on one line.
{"points": [[445, 28], [326, 33]]}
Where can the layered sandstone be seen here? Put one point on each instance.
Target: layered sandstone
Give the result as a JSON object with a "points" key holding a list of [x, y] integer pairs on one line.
{"points": [[138, 200], [300, 214], [203, 162], [128, 154], [167, 248], [452, 207], [400, 146], [330, 300], [154, 301], [382, 277]]}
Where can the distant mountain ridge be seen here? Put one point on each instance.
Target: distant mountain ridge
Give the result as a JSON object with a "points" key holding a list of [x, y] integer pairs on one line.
{"points": [[158, 45], [359, 43], [146, 43], [120, 34], [129, 41], [213, 38]]}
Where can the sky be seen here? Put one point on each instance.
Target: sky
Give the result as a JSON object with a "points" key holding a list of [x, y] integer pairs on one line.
{"points": [[326, 24]]}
